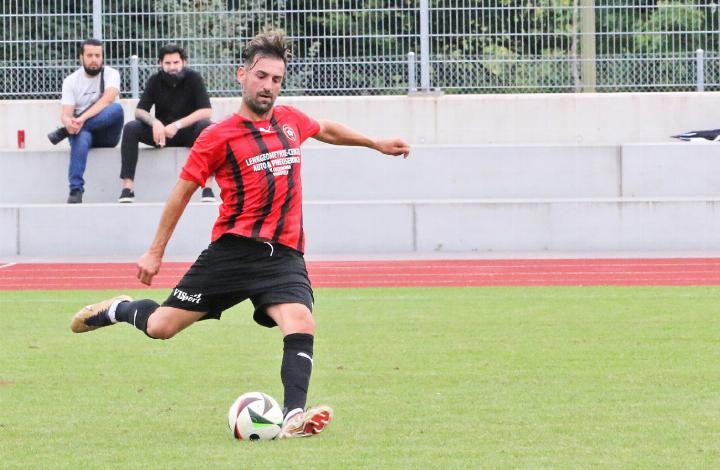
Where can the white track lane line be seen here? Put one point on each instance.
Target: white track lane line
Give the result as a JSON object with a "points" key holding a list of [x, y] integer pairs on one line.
{"points": [[7, 265]]}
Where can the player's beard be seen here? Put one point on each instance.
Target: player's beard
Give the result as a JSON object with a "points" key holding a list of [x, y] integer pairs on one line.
{"points": [[257, 107]]}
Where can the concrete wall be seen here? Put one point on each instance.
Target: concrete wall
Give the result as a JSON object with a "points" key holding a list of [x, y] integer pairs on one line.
{"points": [[433, 172], [41, 176], [545, 173], [486, 198], [362, 227], [677, 169], [569, 225], [580, 118], [346, 173]]}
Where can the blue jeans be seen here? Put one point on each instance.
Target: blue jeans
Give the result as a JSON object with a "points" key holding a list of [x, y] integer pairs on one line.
{"points": [[101, 130]]}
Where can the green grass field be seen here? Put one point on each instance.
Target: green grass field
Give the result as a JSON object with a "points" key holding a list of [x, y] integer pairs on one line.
{"points": [[419, 378]]}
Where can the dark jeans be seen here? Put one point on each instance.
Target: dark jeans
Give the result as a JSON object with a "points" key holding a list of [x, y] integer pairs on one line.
{"points": [[101, 130], [137, 131]]}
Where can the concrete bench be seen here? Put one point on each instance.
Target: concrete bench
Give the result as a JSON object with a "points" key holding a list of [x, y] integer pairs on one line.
{"points": [[424, 226], [433, 172], [681, 169], [41, 177], [345, 173]]}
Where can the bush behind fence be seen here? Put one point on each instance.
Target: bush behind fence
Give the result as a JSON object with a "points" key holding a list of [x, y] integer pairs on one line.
{"points": [[353, 47]]}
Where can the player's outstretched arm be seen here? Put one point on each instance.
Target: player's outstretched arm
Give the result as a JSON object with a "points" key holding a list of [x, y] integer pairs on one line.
{"points": [[149, 263], [335, 133]]}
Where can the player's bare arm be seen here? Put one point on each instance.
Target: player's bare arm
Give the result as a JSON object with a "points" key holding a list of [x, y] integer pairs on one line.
{"points": [[149, 263], [337, 134]]}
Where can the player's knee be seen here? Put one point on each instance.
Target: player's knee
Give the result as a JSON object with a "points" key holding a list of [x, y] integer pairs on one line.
{"points": [[161, 330], [304, 321], [292, 318]]}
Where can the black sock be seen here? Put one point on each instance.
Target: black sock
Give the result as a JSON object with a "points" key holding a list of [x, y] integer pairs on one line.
{"points": [[136, 313], [296, 368]]}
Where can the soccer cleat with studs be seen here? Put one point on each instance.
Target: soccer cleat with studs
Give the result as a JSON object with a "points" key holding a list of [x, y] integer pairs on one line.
{"points": [[95, 316], [307, 423]]}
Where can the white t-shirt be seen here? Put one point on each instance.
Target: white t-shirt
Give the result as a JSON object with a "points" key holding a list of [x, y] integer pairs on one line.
{"points": [[81, 91]]}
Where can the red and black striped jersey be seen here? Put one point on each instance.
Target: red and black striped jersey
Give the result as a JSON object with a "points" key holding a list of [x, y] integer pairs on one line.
{"points": [[257, 167]]}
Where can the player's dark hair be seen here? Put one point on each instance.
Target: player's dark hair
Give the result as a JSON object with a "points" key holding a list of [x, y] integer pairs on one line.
{"points": [[171, 48], [271, 42], [89, 42]]}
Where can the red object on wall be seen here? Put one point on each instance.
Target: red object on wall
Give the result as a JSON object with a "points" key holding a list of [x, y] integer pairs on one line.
{"points": [[21, 139]]}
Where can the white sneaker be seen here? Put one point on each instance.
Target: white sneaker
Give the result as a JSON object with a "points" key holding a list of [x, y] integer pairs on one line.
{"points": [[308, 423]]}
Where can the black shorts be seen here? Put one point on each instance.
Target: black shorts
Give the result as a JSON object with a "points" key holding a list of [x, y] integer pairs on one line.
{"points": [[235, 268]]}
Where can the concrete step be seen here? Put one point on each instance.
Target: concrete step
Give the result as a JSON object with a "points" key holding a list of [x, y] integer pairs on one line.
{"points": [[683, 169], [345, 173], [537, 118], [41, 176], [399, 226], [433, 172]]}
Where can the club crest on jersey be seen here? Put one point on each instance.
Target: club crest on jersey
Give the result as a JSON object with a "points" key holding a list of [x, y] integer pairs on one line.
{"points": [[289, 132]]}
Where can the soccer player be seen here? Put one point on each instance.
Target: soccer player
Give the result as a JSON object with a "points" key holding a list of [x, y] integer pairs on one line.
{"points": [[257, 241]]}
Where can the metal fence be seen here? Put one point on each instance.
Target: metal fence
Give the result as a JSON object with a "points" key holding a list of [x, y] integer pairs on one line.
{"points": [[353, 47]]}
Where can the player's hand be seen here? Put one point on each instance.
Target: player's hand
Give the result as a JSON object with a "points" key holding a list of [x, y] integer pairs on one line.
{"points": [[394, 147], [158, 133], [148, 266], [170, 130]]}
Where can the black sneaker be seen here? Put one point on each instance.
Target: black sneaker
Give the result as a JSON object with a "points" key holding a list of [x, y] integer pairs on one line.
{"points": [[75, 196], [208, 195], [58, 135], [127, 195]]}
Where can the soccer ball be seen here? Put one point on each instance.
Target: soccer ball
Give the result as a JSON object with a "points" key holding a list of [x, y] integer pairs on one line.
{"points": [[255, 416]]}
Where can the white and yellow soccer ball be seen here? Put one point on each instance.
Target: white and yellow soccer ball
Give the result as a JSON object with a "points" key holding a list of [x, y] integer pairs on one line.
{"points": [[255, 416]]}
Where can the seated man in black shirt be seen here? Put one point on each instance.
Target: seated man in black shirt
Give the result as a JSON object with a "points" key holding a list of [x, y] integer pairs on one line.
{"points": [[182, 111]]}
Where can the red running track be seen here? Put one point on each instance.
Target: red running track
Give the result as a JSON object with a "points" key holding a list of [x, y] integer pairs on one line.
{"points": [[416, 273]]}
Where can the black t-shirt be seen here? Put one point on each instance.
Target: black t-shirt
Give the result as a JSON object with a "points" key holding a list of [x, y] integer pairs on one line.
{"points": [[174, 102]]}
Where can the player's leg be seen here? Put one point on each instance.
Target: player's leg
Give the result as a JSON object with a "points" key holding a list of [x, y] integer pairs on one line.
{"points": [[287, 302], [298, 328], [145, 315], [187, 303]]}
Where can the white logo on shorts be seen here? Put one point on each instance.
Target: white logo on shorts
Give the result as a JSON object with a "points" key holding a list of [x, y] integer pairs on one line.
{"points": [[185, 297]]}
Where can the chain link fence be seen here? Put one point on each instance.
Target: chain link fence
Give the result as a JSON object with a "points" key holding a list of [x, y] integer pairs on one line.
{"points": [[353, 47]]}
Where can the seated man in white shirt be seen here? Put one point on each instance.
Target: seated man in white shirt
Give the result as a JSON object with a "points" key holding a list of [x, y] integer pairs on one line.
{"points": [[91, 112]]}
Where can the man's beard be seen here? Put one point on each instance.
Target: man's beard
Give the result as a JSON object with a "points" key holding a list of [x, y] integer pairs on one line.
{"points": [[172, 79], [92, 72], [258, 108]]}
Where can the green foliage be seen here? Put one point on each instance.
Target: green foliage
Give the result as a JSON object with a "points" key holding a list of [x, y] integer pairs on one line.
{"points": [[670, 27], [344, 45]]}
